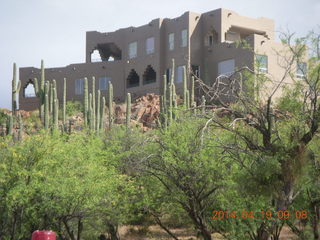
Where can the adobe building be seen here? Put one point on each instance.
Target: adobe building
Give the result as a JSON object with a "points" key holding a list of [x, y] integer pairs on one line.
{"points": [[135, 59]]}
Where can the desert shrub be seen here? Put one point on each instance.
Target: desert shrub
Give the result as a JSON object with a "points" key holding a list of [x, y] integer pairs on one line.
{"points": [[73, 108]]}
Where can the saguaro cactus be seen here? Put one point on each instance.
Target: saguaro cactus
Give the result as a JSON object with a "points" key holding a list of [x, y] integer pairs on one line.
{"points": [[46, 112], [194, 106], [165, 93], [54, 85], [20, 133], [51, 98], [55, 113], [185, 87], [192, 91], [110, 105], [64, 101], [103, 107], [161, 104], [46, 106], [128, 112], [175, 103], [170, 103], [94, 100], [98, 117], [188, 99], [86, 102], [15, 89], [10, 125], [41, 93], [203, 104], [90, 113], [172, 72]]}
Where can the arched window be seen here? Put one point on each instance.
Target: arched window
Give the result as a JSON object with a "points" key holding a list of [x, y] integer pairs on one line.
{"points": [[106, 52], [133, 79], [29, 90], [95, 56], [149, 76]]}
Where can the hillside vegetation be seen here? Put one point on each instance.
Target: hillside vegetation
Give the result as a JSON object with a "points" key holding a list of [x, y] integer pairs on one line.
{"points": [[212, 162]]}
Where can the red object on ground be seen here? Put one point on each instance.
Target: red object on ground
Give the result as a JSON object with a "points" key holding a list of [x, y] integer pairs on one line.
{"points": [[43, 235]]}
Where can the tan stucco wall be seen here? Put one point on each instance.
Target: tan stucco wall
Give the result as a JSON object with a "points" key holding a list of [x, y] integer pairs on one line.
{"points": [[197, 52]]}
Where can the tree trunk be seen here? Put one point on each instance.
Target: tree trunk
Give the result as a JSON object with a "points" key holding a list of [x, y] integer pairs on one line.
{"points": [[80, 228], [198, 222], [69, 231], [113, 231], [205, 234], [158, 221], [283, 202], [14, 224]]}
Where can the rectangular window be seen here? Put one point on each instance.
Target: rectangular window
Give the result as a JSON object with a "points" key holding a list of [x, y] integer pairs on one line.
{"points": [[104, 82], [150, 45], [226, 68], [184, 38], [180, 74], [262, 63], [133, 50], [301, 69], [171, 41], [79, 86], [210, 40]]}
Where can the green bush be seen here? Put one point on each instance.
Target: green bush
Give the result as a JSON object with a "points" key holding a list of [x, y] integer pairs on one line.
{"points": [[3, 117], [73, 108]]}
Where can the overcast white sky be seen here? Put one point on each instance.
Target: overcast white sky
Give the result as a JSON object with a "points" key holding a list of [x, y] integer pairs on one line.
{"points": [[54, 30]]}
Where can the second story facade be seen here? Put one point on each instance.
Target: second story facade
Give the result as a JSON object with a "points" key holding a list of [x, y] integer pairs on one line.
{"points": [[135, 59]]}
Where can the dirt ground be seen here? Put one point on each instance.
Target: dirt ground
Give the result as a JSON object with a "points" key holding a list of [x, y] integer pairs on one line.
{"points": [[156, 233]]}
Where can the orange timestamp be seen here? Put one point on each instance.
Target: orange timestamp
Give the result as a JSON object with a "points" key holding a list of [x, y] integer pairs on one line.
{"points": [[298, 214]]}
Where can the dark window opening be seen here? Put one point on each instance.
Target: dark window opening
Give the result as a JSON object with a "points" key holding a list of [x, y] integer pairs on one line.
{"points": [[210, 40], [212, 37], [133, 79], [29, 90], [106, 52], [149, 75], [196, 70], [239, 33]]}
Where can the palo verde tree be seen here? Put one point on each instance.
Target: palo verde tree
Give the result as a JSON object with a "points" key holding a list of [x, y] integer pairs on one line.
{"points": [[192, 174], [271, 135]]}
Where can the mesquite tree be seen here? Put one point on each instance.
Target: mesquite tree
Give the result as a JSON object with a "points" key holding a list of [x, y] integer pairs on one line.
{"points": [[272, 134]]}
